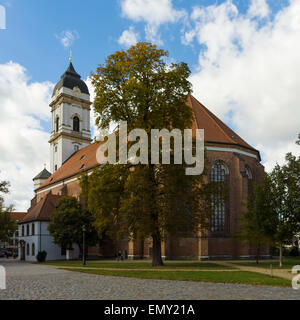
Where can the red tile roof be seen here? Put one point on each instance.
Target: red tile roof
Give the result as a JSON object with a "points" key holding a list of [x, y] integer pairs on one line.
{"points": [[17, 215], [43, 210], [215, 131], [83, 159]]}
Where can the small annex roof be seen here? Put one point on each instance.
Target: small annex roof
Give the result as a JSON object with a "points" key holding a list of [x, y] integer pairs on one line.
{"points": [[42, 210], [18, 216], [44, 174]]}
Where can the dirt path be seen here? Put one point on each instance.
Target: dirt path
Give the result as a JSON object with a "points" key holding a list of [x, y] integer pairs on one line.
{"points": [[282, 273]]}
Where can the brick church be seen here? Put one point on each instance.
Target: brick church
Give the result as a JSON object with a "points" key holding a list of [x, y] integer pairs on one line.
{"points": [[229, 159]]}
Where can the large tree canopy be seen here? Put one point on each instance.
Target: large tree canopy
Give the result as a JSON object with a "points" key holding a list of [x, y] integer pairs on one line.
{"points": [[145, 200]]}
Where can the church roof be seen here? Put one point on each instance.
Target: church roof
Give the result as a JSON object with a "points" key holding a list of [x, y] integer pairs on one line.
{"points": [[43, 210], [83, 159], [71, 79], [45, 174], [215, 132]]}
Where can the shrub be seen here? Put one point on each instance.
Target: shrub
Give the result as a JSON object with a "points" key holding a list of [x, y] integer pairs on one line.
{"points": [[294, 252], [41, 256]]}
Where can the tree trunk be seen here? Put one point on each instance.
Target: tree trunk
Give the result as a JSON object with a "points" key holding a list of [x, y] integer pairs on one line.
{"points": [[156, 252], [280, 255], [257, 253]]}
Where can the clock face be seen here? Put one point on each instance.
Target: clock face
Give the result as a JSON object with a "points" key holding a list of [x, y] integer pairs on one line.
{"points": [[76, 92]]}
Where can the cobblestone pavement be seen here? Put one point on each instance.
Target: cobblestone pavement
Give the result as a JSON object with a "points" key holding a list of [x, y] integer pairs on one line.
{"points": [[30, 281]]}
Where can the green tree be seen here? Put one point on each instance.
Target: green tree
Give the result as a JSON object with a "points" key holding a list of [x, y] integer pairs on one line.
{"points": [[286, 197], [257, 219], [273, 215], [67, 221], [149, 200], [7, 225]]}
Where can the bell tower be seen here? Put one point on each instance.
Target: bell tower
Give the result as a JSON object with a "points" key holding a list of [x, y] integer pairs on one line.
{"points": [[70, 109]]}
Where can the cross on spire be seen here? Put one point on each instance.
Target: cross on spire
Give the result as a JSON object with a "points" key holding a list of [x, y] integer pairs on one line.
{"points": [[70, 55]]}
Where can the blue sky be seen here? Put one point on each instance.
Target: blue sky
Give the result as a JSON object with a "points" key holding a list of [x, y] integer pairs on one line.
{"points": [[32, 26], [243, 54]]}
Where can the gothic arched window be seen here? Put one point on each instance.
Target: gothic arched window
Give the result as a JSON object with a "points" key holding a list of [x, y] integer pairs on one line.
{"points": [[27, 249], [248, 172], [33, 250], [76, 124], [57, 124], [218, 220]]}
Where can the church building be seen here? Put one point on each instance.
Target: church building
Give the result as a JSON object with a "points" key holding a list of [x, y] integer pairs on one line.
{"points": [[229, 159]]}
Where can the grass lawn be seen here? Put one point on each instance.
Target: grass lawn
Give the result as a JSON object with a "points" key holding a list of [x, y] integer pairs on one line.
{"points": [[237, 277], [287, 263], [141, 265]]}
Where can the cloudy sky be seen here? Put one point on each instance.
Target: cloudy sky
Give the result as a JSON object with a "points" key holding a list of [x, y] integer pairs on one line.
{"points": [[244, 56]]}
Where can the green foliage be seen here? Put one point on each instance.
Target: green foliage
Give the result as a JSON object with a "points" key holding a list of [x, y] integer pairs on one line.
{"points": [[294, 252], [7, 225], [139, 87], [104, 190], [67, 221], [273, 214], [41, 256], [257, 219]]}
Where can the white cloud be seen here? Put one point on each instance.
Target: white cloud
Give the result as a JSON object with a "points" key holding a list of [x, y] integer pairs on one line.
{"points": [[153, 12], [129, 37], [67, 37], [24, 143], [96, 132], [258, 8], [248, 73]]}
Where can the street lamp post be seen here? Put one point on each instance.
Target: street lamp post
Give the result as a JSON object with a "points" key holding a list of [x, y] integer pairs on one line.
{"points": [[83, 245]]}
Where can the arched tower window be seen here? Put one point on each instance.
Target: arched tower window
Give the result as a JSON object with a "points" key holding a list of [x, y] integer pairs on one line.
{"points": [[57, 124], [76, 124], [218, 219]]}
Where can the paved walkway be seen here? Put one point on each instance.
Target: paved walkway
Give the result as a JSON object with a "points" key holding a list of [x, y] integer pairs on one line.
{"points": [[282, 273], [32, 281]]}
